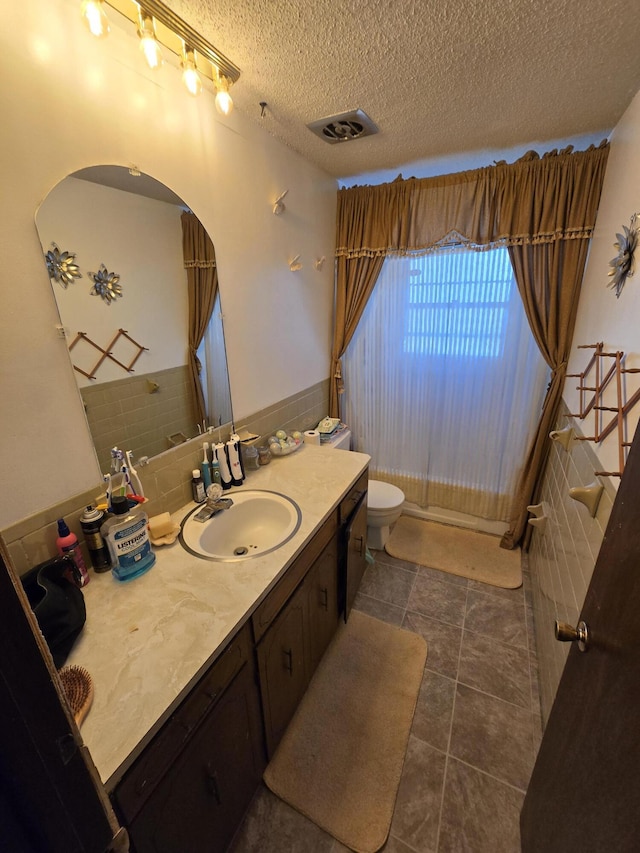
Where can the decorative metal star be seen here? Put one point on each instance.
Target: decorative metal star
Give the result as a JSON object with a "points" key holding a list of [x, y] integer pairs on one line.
{"points": [[622, 266], [61, 266], [106, 284]]}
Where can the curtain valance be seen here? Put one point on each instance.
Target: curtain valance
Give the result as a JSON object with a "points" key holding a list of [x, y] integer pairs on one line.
{"points": [[534, 200]]}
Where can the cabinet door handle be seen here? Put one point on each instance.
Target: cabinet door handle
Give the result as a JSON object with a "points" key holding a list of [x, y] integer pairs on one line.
{"points": [[324, 598], [360, 544], [212, 784], [288, 654]]}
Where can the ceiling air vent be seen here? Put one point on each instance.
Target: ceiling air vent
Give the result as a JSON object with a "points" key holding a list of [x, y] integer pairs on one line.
{"points": [[344, 127]]}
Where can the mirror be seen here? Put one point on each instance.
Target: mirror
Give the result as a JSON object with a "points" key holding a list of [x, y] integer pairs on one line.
{"points": [[112, 241]]}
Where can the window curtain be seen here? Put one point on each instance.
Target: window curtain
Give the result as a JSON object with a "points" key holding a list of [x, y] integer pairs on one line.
{"points": [[445, 381], [202, 286], [214, 373], [535, 201]]}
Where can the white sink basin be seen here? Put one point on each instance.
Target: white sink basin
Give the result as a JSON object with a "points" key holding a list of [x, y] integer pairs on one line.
{"points": [[258, 522]]}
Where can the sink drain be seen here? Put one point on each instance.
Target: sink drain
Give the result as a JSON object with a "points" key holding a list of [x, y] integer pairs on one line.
{"points": [[241, 551]]}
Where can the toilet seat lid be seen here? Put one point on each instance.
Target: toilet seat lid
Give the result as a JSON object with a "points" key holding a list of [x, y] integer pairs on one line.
{"points": [[384, 495]]}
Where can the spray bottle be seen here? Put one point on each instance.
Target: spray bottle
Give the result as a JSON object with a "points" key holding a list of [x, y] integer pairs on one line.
{"points": [[67, 543]]}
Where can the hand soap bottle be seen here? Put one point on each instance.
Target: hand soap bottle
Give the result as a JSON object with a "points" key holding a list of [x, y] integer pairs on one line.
{"points": [[127, 536]]}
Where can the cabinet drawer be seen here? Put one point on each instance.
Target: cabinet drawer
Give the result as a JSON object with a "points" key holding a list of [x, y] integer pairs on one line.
{"points": [[143, 777], [273, 603], [350, 501]]}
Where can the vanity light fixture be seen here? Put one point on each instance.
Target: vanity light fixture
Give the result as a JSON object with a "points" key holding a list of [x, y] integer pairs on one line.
{"points": [[158, 26], [190, 76], [95, 18], [148, 42]]}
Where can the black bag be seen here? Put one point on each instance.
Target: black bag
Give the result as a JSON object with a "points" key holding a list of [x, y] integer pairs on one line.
{"points": [[57, 603]]}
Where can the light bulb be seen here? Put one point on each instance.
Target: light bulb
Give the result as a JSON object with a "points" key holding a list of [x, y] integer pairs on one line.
{"points": [[190, 76], [224, 102], [148, 44], [95, 18]]}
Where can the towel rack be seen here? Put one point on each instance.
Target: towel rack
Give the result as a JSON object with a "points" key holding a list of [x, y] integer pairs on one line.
{"points": [[607, 369]]}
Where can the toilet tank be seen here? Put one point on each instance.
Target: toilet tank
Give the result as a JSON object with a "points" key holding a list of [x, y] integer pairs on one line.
{"points": [[340, 441]]}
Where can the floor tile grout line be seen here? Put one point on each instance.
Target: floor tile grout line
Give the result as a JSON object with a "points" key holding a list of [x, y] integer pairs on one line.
{"points": [[489, 775], [501, 642], [453, 711], [492, 695]]}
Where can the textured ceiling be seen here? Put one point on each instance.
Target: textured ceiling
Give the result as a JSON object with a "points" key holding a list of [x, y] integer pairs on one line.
{"points": [[438, 78]]}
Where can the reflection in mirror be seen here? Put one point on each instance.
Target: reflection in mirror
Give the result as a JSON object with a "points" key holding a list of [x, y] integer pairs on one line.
{"points": [[115, 251]]}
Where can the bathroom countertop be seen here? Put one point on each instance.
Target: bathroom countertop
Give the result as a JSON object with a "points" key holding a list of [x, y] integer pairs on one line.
{"points": [[146, 642]]}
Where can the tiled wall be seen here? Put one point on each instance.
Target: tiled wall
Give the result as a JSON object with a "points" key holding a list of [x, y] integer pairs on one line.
{"points": [[562, 556], [166, 479], [129, 413]]}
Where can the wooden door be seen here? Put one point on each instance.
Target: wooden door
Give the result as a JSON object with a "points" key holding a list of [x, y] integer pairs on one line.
{"points": [[51, 798], [584, 793], [282, 662], [322, 602]]}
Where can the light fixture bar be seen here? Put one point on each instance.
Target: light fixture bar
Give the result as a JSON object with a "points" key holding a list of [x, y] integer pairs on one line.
{"points": [[191, 37], [177, 27]]}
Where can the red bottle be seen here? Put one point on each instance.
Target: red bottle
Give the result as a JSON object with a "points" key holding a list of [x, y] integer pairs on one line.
{"points": [[67, 543]]}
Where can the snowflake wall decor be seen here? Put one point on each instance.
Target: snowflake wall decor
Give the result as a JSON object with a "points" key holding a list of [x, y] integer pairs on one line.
{"points": [[106, 284], [623, 266], [62, 266]]}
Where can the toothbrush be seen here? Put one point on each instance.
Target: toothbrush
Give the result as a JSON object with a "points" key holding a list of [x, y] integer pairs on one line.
{"points": [[126, 481], [225, 474], [137, 483], [234, 462], [204, 466], [236, 438], [107, 479]]}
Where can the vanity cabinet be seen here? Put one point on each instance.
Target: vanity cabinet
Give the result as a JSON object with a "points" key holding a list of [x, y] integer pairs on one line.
{"points": [[191, 785], [293, 627], [282, 661], [321, 587], [189, 789]]}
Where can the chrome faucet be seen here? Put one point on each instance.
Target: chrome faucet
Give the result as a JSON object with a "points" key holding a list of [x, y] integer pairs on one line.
{"points": [[212, 507]]}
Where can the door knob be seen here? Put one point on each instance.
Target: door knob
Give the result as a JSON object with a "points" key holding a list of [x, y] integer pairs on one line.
{"points": [[568, 634]]}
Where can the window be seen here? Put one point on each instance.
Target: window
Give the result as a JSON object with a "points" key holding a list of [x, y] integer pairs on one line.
{"points": [[457, 304]]}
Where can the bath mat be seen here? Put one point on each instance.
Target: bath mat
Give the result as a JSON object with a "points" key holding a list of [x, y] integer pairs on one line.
{"points": [[466, 553], [340, 760]]}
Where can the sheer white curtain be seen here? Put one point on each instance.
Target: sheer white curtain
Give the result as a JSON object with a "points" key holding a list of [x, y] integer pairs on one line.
{"points": [[444, 381], [214, 375]]}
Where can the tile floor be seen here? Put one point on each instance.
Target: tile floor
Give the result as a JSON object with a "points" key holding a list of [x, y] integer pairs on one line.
{"points": [[476, 728]]}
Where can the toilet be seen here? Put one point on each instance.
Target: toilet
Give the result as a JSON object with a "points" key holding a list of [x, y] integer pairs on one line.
{"points": [[384, 505], [384, 501]]}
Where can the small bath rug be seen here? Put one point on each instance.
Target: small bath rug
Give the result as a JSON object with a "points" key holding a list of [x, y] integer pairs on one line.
{"points": [[467, 553], [340, 760]]}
